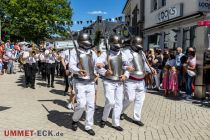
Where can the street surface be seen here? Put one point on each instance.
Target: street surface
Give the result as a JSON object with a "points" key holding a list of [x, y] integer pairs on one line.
{"points": [[45, 109]]}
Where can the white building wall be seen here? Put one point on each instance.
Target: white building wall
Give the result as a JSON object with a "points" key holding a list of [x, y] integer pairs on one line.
{"points": [[189, 7]]}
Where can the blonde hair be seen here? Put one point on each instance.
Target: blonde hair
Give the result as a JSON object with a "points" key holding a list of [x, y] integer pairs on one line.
{"points": [[173, 68]]}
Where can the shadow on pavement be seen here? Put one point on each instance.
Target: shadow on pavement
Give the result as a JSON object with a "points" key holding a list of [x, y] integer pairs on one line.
{"points": [[160, 93], [202, 103], [59, 82], [62, 118], [58, 92], [65, 118], [43, 84], [58, 102], [2, 108], [21, 81]]}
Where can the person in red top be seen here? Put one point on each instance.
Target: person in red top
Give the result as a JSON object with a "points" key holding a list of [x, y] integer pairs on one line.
{"points": [[1, 48]]}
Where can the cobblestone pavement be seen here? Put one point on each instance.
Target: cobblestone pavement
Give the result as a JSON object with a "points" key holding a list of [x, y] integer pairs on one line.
{"points": [[44, 109]]}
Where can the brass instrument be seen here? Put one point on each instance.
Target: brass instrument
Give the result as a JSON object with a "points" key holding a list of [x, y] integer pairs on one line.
{"points": [[21, 60], [32, 53], [34, 50]]}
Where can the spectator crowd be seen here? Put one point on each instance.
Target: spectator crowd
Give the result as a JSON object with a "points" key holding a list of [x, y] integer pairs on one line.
{"points": [[176, 71], [9, 54]]}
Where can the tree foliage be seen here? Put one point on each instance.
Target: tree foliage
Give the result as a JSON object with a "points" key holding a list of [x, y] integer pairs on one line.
{"points": [[36, 19]]}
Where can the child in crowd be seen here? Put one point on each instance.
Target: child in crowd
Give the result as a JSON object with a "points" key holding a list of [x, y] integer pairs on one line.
{"points": [[165, 81], [173, 81]]}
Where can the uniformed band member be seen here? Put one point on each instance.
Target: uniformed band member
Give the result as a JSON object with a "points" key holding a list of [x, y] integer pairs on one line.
{"points": [[50, 56], [42, 63], [110, 66], [135, 86], [82, 62], [30, 68]]}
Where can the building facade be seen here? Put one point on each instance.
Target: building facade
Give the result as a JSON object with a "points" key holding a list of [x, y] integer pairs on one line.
{"points": [[106, 27], [172, 23], [166, 23], [134, 16]]}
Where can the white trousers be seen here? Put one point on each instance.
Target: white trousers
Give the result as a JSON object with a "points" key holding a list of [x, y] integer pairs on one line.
{"points": [[114, 99], [85, 96], [134, 91]]}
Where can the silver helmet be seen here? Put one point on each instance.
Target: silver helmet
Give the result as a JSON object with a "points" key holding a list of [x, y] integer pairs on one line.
{"points": [[84, 41], [126, 42], [115, 43], [136, 44]]}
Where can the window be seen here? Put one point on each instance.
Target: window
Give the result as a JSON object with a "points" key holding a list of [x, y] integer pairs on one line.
{"points": [[154, 5], [157, 4], [163, 3]]}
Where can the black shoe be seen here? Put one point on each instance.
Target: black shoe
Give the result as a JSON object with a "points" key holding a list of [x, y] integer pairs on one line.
{"points": [[74, 126], [118, 128], [102, 124], [139, 123], [52, 86], [122, 116], [33, 87], [48, 85], [90, 132], [26, 86]]}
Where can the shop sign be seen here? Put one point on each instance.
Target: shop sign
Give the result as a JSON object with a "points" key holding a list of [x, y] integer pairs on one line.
{"points": [[204, 23], [204, 5], [170, 13]]}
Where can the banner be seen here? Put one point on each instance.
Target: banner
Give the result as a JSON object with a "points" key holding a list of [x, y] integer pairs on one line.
{"points": [[64, 44]]}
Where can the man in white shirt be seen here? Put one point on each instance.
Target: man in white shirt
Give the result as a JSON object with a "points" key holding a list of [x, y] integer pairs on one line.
{"points": [[42, 60], [135, 84], [51, 57], [110, 67], [30, 68], [82, 65]]}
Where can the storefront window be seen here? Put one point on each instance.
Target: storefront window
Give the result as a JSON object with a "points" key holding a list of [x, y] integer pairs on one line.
{"points": [[163, 3], [157, 4], [154, 5], [188, 37], [154, 40], [170, 38]]}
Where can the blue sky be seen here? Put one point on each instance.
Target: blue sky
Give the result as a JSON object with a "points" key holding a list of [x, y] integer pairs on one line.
{"points": [[84, 10]]}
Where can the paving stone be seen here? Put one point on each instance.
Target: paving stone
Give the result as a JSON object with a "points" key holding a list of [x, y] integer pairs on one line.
{"points": [[44, 109]]}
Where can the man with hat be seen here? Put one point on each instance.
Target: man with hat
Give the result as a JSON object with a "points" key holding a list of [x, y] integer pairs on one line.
{"points": [[82, 65], [110, 66], [135, 86]]}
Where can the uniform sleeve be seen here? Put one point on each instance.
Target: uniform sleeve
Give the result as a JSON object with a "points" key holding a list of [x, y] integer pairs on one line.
{"points": [[73, 62], [101, 59]]}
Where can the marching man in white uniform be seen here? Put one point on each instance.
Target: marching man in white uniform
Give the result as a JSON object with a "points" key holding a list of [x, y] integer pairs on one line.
{"points": [[135, 86], [110, 67], [81, 64]]}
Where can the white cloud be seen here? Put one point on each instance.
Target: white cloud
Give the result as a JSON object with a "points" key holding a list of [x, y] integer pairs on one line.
{"points": [[97, 13]]}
